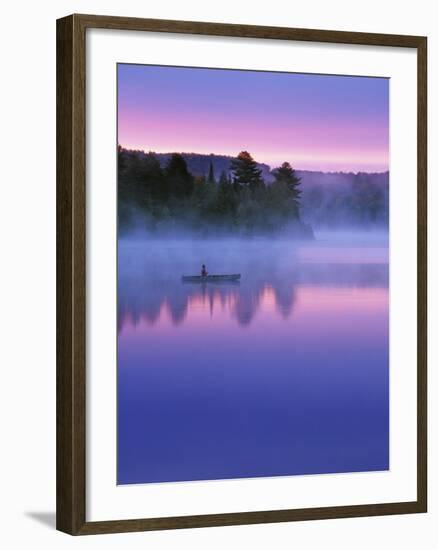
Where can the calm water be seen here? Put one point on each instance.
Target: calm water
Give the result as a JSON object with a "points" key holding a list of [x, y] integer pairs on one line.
{"points": [[285, 373]]}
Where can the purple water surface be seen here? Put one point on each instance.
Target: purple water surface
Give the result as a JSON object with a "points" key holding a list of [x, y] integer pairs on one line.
{"points": [[284, 373]]}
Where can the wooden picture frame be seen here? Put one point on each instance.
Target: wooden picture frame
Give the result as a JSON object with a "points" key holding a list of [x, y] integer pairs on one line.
{"points": [[71, 274]]}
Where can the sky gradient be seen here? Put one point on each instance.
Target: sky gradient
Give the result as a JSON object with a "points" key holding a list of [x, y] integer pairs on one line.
{"points": [[315, 122]]}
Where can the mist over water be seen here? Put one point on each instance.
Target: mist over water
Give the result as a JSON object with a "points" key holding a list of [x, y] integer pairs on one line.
{"points": [[282, 373], [150, 271]]}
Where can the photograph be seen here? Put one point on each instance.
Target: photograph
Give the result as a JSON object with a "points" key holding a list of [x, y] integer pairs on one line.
{"points": [[252, 274], [217, 286]]}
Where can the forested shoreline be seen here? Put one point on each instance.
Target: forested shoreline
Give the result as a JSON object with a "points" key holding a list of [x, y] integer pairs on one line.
{"points": [[238, 201], [215, 194]]}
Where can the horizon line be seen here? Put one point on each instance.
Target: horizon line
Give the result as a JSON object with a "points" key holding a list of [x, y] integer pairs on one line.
{"points": [[271, 168]]}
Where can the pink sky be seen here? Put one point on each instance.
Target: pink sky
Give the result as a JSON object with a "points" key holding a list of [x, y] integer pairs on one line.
{"points": [[315, 122]]}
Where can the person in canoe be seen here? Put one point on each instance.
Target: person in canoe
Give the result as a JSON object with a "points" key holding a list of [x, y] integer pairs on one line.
{"points": [[204, 271]]}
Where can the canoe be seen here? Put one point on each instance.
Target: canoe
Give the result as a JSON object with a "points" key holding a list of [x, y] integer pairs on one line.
{"points": [[210, 278]]}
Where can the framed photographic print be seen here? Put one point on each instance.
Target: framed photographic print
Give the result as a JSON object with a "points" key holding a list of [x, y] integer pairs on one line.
{"points": [[241, 274]]}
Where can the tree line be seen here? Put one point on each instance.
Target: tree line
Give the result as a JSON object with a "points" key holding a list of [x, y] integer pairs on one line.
{"points": [[159, 196]]}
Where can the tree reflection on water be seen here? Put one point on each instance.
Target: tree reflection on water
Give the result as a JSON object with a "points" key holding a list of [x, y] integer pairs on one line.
{"points": [[145, 297]]}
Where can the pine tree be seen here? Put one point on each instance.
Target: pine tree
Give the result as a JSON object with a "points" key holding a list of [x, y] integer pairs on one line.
{"points": [[285, 173], [223, 178], [245, 171], [180, 180], [210, 178], [121, 161], [226, 200], [155, 184], [285, 188]]}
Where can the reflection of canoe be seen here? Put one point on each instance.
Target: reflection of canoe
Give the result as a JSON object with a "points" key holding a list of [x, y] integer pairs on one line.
{"points": [[210, 278]]}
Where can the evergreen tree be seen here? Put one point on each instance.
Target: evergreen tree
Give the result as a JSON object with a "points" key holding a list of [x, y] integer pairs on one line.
{"points": [[285, 187], [224, 179], [180, 180], [139, 175], [226, 199], [286, 174], [121, 161], [245, 171], [155, 184], [210, 177]]}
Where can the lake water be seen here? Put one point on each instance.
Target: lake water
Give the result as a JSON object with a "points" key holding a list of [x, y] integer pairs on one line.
{"points": [[284, 373]]}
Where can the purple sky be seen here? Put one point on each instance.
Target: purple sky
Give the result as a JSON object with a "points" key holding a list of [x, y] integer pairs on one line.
{"points": [[315, 122]]}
